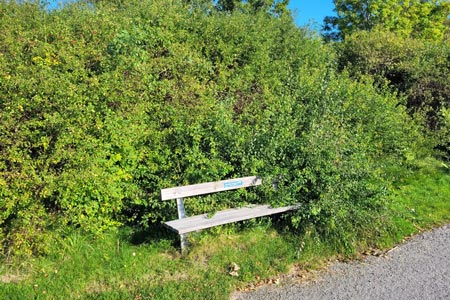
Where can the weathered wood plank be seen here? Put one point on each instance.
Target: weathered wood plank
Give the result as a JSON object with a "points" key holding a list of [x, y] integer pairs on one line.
{"points": [[209, 187], [200, 222]]}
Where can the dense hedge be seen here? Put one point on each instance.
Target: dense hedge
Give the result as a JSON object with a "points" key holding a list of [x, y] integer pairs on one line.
{"points": [[102, 106], [418, 69]]}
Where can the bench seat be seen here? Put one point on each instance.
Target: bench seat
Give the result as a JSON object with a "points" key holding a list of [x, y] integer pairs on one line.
{"points": [[204, 221]]}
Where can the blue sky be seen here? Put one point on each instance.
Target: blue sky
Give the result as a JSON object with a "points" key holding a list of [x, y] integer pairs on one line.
{"points": [[307, 11]]}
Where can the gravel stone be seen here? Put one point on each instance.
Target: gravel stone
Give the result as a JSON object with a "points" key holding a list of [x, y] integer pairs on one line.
{"points": [[418, 269]]}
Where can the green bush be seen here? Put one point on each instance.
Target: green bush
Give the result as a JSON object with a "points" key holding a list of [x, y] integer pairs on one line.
{"points": [[444, 135], [104, 105], [417, 69]]}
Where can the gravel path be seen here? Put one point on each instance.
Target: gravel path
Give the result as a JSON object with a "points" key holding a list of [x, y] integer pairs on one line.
{"points": [[418, 269]]}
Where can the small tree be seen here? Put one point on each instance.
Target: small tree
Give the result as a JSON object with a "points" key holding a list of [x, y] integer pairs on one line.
{"points": [[413, 18]]}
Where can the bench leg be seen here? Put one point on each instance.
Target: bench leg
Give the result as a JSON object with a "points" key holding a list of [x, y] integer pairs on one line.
{"points": [[182, 215], [184, 242]]}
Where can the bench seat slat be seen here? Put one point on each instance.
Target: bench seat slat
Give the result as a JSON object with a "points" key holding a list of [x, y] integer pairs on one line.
{"points": [[199, 222]]}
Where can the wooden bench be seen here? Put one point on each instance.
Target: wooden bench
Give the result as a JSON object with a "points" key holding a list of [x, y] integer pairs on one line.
{"points": [[184, 225]]}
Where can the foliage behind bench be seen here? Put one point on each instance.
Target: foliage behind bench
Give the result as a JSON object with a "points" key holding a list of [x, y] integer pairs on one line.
{"points": [[102, 107]]}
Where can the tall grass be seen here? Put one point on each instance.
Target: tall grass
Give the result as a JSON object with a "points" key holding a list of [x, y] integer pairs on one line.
{"points": [[111, 267], [422, 200]]}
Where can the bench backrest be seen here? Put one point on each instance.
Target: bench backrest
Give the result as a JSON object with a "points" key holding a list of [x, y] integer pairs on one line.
{"points": [[209, 187]]}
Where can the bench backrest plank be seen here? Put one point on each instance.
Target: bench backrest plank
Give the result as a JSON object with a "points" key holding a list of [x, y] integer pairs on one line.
{"points": [[209, 187]]}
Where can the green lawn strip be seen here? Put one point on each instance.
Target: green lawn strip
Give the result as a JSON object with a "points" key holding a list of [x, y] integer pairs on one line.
{"points": [[108, 268], [422, 201]]}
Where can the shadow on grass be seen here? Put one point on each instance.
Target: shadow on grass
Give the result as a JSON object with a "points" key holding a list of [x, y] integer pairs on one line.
{"points": [[154, 234]]}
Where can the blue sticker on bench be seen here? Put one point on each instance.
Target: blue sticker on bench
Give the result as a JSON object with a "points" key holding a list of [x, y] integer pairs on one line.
{"points": [[233, 184]]}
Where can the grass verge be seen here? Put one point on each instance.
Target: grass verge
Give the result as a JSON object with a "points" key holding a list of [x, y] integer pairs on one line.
{"points": [[115, 267], [422, 200]]}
